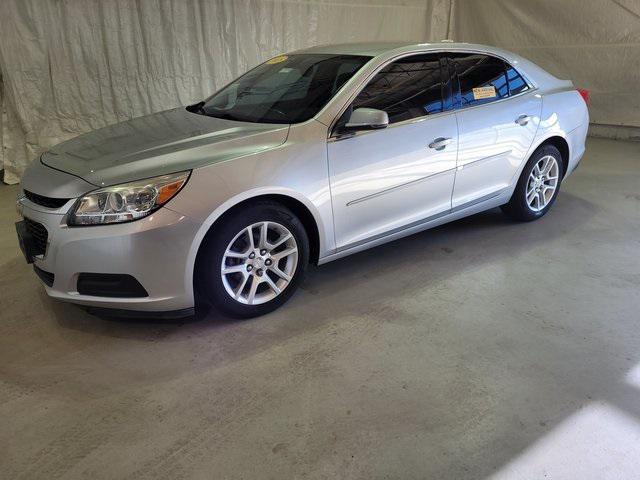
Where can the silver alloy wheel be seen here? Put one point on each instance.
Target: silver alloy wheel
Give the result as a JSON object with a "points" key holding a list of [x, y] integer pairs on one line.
{"points": [[259, 263], [542, 183]]}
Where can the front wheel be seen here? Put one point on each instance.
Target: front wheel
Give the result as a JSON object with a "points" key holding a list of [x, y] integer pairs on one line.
{"points": [[253, 261], [538, 186]]}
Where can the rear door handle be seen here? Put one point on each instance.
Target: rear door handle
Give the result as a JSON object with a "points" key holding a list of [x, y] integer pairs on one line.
{"points": [[522, 120], [440, 143]]}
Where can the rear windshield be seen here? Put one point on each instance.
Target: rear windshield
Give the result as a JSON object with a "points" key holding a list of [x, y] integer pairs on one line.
{"points": [[285, 89]]}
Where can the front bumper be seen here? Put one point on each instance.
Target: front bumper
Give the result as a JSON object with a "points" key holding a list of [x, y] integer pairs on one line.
{"points": [[154, 250]]}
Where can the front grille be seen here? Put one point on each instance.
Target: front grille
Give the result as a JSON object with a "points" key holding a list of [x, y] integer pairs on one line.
{"points": [[48, 202], [39, 234], [46, 277]]}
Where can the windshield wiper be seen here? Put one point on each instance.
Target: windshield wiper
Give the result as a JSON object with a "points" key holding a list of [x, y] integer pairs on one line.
{"points": [[224, 116], [197, 108]]}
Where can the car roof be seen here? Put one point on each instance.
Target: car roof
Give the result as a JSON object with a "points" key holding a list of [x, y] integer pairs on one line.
{"points": [[370, 49], [374, 49]]}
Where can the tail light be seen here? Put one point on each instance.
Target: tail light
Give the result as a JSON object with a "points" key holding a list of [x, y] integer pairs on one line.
{"points": [[584, 93]]}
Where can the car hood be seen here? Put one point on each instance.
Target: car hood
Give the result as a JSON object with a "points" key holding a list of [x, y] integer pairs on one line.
{"points": [[160, 143]]}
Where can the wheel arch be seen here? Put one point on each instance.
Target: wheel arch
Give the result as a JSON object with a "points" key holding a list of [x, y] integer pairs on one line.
{"points": [[298, 204], [561, 144]]}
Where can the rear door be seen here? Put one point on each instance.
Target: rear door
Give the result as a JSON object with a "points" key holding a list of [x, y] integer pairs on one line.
{"points": [[386, 180], [498, 116]]}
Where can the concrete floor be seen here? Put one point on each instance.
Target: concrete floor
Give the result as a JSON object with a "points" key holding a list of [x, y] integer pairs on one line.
{"points": [[484, 348]]}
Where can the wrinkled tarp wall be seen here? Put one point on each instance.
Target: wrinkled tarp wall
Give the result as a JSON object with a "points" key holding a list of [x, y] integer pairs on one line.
{"points": [[595, 43], [76, 65], [70, 66]]}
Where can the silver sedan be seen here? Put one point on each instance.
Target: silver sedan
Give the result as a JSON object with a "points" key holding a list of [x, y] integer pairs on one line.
{"points": [[309, 157]]}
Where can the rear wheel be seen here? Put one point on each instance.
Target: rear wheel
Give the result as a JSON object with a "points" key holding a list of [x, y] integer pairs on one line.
{"points": [[254, 260], [538, 186]]}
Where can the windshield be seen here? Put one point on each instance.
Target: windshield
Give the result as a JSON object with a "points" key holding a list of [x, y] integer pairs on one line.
{"points": [[285, 89]]}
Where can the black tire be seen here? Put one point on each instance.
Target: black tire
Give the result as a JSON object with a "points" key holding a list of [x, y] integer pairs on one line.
{"points": [[209, 283], [518, 208]]}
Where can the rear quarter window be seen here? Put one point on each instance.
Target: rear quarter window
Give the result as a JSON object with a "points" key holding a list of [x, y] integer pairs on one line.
{"points": [[517, 84]]}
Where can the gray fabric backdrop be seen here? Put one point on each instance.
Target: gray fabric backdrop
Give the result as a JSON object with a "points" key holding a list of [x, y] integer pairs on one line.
{"points": [[595, 43], [69, 66]]}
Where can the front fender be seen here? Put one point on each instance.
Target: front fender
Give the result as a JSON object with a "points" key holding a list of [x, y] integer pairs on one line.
{"points": [[210, 220]]}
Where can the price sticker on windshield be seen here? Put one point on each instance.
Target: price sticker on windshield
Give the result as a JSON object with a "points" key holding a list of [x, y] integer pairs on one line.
{"points": [[278, 59], [484, 92]]}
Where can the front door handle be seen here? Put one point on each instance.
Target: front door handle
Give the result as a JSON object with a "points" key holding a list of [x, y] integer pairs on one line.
{"points": [[440, 143], [522, 120]]}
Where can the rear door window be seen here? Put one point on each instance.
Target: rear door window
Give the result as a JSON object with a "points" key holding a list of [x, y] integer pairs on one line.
{"points": [[480, 79]]}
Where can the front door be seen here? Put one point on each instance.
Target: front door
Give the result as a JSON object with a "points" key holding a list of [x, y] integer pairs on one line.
{"points": [[385, 180]]}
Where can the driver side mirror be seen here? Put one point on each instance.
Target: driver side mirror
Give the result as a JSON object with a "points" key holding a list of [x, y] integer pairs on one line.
{"points": [[366, 119]]}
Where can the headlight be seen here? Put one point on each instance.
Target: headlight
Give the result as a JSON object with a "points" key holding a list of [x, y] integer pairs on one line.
{"points": [[126, 202]]}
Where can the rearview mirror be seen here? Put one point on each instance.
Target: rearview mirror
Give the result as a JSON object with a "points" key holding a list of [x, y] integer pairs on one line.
{"points": [[366, 119]]}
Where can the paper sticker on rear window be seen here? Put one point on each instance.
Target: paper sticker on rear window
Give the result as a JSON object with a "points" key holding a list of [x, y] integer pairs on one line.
{"points": [[484, 92], [278, 59]]}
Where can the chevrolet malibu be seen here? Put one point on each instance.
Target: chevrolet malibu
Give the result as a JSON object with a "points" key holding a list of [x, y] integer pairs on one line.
{"points": [[309, 157]]}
